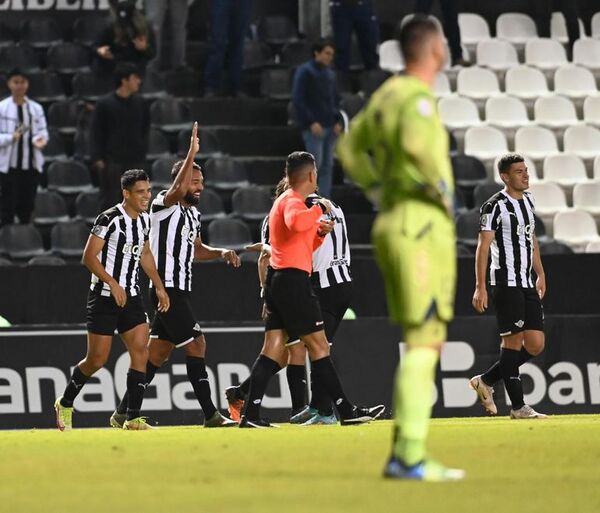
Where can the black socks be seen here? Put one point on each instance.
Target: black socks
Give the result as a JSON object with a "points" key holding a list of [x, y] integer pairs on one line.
{"points": [[78, 379], [325, 374], [136, 386], [149, 376], [492, 375], [509, 370], [297, 383], [263, 370], [196, 371]]}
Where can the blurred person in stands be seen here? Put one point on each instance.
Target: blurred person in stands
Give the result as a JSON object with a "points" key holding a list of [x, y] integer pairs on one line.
{"points": [[120, 127], [228, 26], [359, 16], [315, 100], [156, 11], [542, 14], [23, 136], [127, 38]]}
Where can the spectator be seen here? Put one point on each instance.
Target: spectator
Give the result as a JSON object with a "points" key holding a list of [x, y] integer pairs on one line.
{"points": [[542, 10], [127, 38], [178, 15], [23, 136], [354, 15], [228, 26], [120, 126], [315, 101], [451, 28]]}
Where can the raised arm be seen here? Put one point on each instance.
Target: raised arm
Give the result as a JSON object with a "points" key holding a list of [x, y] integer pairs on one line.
{"points": [[182, 181]]}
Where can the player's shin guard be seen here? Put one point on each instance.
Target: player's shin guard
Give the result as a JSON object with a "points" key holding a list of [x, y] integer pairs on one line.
{"points": [[196, 371], [136, 386], [412, 403]]}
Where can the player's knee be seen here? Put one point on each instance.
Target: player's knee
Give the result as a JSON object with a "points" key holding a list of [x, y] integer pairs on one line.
{"points": [[96, 361], [197, 347], [534, 343], [432, 332], [139, 355]]}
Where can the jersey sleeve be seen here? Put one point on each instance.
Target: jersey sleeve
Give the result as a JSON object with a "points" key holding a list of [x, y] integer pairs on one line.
{"points": [[264, 231], [489, 217], [158, 203], [101, 226]]}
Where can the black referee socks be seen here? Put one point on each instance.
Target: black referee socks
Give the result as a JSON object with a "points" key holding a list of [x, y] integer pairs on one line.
{"points": [[492, 375], [264, 369], [196, 371], [78, 379], [509, 369], [324, 372]]}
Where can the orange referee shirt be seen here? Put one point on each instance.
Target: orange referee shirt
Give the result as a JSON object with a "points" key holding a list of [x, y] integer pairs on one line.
{"points": [[293, 232]]}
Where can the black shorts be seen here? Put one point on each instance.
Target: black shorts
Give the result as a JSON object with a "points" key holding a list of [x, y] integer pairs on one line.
{"points": [[334, 301], [104, 315], [517, 309], [291, 303], [177, 325]]}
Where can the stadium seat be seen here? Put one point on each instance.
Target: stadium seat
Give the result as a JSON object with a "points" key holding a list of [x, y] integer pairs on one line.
{"points": [[457, 112], [87, 29], [68, 239], [276, 83], [468, 171], [345, 83], [352, 104], [46, 260], [467, 227], [549, 198], [586, 53], [5, 261], [553, 247], [209, 144], [496, 54], [65, 115], [46, 87], [576, 228], [586, 196], [441, 86], [477, 83], [371, 79], [526, 83], [251, 203], [545, 54], [531, 170], [593, 247], [596, 26], [50, 208], [225, 174], [484, 191], [161, 171], [153, 86], [21, 241], [536, 141], [7, 35], [555, 111], [87, 206], [68, 177], [591, 110], [574, 81], [211, 205], [19, 55], [473, 29], [276, 30], [158, 145], [485, 142], [40, 32], [89, 86], [68, 58], [184, 83], [82, 145], [517, 28], [506, 112], [170, 115], [564, 169], [296, 53], [596, 168], [229, 233], [257, 55], [390, 57], [56, 148], [582, 140]]}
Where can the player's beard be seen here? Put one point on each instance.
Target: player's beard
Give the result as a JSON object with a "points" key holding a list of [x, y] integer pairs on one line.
{"points": [[190, 199]]}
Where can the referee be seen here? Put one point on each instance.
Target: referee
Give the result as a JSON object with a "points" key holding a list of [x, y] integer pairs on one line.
{"points": [[117, 245], [176, 243], [507, 227]]}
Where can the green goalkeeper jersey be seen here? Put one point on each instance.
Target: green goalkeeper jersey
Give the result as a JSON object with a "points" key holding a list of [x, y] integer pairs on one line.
{"points": [[397, 146]]}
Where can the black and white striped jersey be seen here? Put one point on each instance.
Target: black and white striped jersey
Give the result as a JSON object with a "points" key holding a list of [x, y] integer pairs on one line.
{"points": [[172, 236], [513, 222], [124, 240]]}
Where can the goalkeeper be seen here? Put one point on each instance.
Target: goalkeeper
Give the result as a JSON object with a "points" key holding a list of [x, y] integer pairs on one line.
{"points": [[397, 151]]}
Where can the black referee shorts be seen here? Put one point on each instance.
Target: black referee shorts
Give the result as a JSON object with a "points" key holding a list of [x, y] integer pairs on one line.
{"points": [[104, 315], [291, 303], [334, 301], [177, 325], [517, 309]]}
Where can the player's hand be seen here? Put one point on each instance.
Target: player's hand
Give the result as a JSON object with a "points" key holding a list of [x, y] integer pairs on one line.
{"points": [[231, 257], [194, 141], [17, 134], [264, 312], [316, 129], [40, 143], [326, 204], [105, 53], [540, 285], [118, 293], [99, 165], [164, 302], [325, 227], [257, 247], [480, 299], [140, 43]]}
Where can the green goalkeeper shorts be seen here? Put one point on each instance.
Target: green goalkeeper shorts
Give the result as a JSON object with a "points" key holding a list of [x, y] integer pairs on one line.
{"points": [[415, 247]]}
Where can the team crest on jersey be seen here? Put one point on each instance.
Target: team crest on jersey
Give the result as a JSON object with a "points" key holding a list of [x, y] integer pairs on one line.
{"points": [[425, 108], [485, 219]]}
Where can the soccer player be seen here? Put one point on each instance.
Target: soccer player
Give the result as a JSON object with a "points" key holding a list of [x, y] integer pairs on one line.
{"points": [[176, 243], [397, 151], [116, 247], [291, 304], [507, 226]]}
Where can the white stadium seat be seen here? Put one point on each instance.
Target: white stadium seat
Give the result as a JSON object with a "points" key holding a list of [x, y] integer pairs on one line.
{"points": [[558, 28], [554, 111], [549, 197], [526, 82], [574, 81], [390, 57], [576, 228], [545, 53], [457, 112], [586, 196], [485, 142], [496, 54], [591, 110], [596, 26], [597, 168], [441, 85], [506, 112], [477, 83], [593, 247], [582, 140], [536, 141], [515, 27], [565, 169], [586, 52], [473, 28]]}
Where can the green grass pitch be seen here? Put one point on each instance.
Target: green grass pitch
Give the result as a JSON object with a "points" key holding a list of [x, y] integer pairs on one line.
{"points": [[549, 466]]}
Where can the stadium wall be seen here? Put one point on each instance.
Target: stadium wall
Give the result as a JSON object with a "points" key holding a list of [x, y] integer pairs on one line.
{"points": [[35, 365]]}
